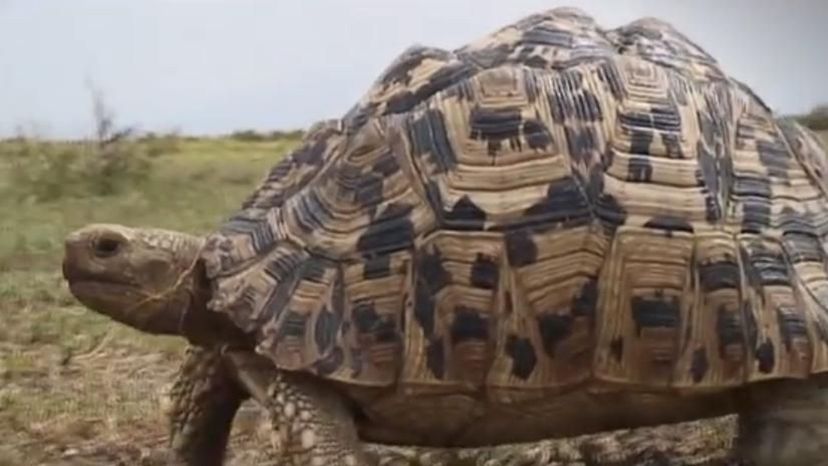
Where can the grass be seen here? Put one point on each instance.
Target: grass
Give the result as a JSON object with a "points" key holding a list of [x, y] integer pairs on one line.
{"points": [[76, 388], [72, 383]]}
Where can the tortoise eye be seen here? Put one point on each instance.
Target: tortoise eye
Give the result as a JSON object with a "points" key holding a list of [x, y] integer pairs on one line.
{"points": [[106, 247]]}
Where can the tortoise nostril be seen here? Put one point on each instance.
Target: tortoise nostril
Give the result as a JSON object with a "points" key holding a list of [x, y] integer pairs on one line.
{"points": [[106, 247]]}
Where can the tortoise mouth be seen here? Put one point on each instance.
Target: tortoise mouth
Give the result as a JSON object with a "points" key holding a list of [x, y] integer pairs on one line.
{"points": [[78, 276], [108, 297], [127, 304]]}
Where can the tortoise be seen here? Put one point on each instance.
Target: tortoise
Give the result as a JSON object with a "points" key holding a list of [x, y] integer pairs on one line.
{"points": [[554, 230]]}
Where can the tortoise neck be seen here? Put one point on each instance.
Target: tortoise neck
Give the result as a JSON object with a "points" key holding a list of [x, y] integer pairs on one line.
{"points": [[203, 326]]}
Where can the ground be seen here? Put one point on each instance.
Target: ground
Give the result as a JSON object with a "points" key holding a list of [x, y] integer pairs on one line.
{"points": [[75, 388]]}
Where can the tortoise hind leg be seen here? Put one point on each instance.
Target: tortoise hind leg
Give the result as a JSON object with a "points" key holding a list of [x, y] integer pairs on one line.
{"points": [[205, 399], [785, 423], [312, 424]]}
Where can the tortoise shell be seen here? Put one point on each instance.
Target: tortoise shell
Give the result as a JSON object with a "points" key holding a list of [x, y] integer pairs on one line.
{"points": [[549, 205]]}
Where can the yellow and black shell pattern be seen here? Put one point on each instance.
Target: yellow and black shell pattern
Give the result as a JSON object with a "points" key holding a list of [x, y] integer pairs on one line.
{"points": [[549, 205]]}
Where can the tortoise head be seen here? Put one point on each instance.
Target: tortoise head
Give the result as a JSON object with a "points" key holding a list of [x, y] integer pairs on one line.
{"points": [[144, 278]]}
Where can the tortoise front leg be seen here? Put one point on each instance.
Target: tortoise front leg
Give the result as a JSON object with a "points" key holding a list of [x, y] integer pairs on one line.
{"points": [[205, 398], [311, 424]]}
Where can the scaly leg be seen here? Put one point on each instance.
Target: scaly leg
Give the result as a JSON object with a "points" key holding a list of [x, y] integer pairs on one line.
{"points": [[205, 398], [312, 424]]}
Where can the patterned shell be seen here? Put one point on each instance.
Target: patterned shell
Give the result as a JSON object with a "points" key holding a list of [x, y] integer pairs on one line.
{"points": [[551, 204]]}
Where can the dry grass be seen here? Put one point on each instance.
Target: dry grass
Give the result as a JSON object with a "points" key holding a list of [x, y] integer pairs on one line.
{"points": [[75, 388]]}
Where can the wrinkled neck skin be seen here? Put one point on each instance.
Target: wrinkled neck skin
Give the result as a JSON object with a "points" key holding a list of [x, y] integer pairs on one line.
{"points": [[149, 279], [203, 327]]}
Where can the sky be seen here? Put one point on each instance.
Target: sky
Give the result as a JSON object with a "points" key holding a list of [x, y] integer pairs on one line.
{"points": [[214, 66]]}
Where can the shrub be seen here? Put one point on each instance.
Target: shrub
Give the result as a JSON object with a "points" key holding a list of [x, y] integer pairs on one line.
{"points": [[112, 161], [817, 119], [249, 135]]}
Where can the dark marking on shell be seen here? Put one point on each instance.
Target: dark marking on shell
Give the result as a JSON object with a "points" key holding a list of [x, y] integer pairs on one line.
{"points": [[377, 267], [489, 57], [450, 76], [368, 192], [469, 324], [523, 356], [640, 143], [436, 358], [640, 169], [259, 230], [766, 357], [699, 365], [313, 270], [669, 223], [465, 215], [803, 247], [283, 266], [799, 230], [325, 330], [565, 203], [588, 107], [751, 327], [774, 157], [365, 317], [495, 126], [549, 36], [401, 69], [729, 330], [610, 210], [553, 330], [609, 75], [586, 302], [719, 275], [485, 272], [428, 135], [756, 211], [520, 248], [657, 311], [708, 176], [431, 278], [401, 101], [536, 61], [673, 145], [310, 212], [792, 326], [581, 143], [537, 135], [293, 325], [391, 231], [767, 268], [311, 154], [387, 165]]}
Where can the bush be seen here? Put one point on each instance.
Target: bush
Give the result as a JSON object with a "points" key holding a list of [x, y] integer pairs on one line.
{"points": [[112, 161], [249, 135], [161, 144], [817, 119]]}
